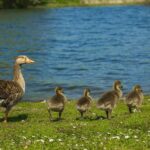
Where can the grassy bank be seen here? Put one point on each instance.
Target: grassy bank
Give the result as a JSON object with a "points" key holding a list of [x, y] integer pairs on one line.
{"points": [[29, 128], [83, 3], [68, 3], [63, 3]]}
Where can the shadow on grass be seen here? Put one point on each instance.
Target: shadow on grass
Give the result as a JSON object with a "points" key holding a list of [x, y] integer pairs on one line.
{"points": [[92, 118], [18, 118], [56, 120]]}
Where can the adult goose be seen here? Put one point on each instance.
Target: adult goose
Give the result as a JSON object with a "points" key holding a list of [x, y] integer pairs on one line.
{"points": [[57, 103], [109, 99], [11, 91], [135, 98], [84, 103]]}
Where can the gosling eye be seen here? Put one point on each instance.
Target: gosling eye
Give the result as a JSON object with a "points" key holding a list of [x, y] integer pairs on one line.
{"points": [[140, 90], [121, 87]]}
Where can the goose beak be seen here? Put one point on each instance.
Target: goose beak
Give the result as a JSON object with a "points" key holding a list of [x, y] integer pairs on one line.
{"points": [[29, 61]]}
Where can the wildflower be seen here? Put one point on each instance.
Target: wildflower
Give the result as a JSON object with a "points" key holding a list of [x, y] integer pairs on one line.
{"points": [[126, 137], [51, 140], [24, 137], [60, 140], [116, 137], [42, 141], [28, 142], [143, 141], [135, 137], [26, 147], [33, 136]]}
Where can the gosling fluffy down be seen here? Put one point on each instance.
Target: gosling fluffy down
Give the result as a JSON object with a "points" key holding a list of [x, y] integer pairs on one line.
{"points": [[109, 99], [135, 98], [84, 103], [57, 102]]}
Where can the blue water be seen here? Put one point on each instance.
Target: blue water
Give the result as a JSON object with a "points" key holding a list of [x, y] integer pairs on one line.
{"points": [[77, 48]]}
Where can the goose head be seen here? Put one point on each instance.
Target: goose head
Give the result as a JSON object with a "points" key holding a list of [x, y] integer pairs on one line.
{"points": [[22, 59], [117, 85], [86, 92], [137, 88], [59, 91]]}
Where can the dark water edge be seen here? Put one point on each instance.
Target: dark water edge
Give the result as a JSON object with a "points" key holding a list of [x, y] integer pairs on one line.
{"points": [[77, 48]]}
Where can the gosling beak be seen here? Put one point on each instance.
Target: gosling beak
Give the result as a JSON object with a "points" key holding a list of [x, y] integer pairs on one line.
{"points": [[62, 91], [29, 61], [121, 87]]}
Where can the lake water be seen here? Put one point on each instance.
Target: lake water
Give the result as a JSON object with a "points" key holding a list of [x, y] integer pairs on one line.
{"points": [[77, 48]]}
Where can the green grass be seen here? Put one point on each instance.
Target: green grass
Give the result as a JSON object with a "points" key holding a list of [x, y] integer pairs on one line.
{"points": [[29, 128], [64, 3], [74, 3]]}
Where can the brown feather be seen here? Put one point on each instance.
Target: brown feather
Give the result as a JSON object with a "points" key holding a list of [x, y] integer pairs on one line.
{"points": [[57, 102], [134, 99], [10, 93], [84, 103], [108, 99]]}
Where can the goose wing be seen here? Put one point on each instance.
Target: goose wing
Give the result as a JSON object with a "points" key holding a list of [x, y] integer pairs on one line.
{"points": [[133, 98], [108, 96], [107, 99], [9, 90], [83, 101]]}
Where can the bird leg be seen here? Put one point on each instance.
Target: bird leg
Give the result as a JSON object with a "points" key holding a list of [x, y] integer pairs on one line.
{"points": [[60, 112], [6, 115], [50, 115], [81, 112], [108, 114], [130, 109]]}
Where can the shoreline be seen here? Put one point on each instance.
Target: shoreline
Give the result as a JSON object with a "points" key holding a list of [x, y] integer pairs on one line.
{"points": [[93, 5], [101, 4], [70, 100]]}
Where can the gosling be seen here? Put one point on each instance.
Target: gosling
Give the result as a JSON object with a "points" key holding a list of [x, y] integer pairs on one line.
{"points": [[57, 103], [109, 99], [135, 98], [84, 103]]}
